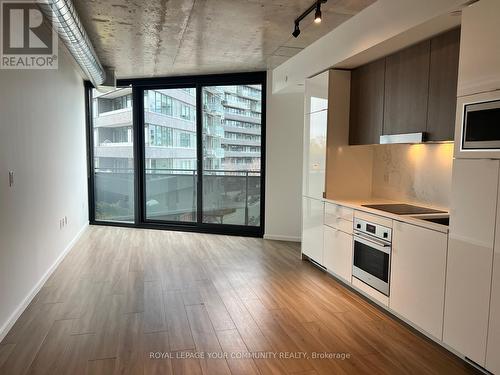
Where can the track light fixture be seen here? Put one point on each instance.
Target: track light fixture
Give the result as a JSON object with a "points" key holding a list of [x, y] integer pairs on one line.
{"points": [[296, 31], [317, 16]]}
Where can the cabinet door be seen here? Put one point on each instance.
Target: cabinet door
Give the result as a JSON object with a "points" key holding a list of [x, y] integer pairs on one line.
{"points": [[445, 50], [338, 252], [367, 103], [407, 90], [493, 346], [418, 276], [479, 69], [316, 93], [312, 228], [470, 256], [315, 154]]}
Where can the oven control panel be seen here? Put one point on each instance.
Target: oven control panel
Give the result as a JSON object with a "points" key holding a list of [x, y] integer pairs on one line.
{"points": [[375, 230]]}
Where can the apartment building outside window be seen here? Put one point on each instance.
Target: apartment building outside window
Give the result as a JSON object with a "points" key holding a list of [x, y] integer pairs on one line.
{"points": [[231, 134]]}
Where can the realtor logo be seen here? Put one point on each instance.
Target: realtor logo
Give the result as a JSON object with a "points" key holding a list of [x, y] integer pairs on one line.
{"points": [[28, 40]]}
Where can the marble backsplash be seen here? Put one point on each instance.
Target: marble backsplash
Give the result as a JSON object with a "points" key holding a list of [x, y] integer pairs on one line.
{"points": [[419, 173]]}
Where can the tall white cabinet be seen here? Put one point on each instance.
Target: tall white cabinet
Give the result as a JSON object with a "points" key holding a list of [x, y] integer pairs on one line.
{"points": [[314, 168], [470, 259]]}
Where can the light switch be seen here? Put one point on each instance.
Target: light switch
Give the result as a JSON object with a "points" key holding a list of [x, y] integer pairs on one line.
{"points": [[11, 178]]}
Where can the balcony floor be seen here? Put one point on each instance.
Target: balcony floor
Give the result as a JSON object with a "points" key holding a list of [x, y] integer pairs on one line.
{"points": [[122, 294]]}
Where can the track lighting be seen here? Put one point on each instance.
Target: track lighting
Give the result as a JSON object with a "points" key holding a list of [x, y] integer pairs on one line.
{"points": [[317, 16]]}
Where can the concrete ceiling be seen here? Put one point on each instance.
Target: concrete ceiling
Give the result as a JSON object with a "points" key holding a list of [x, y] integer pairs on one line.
{"points": [[177, 37]]}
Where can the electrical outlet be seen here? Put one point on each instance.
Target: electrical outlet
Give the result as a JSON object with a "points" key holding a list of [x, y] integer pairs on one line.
{"points": [[11, 178], [65, 220]]}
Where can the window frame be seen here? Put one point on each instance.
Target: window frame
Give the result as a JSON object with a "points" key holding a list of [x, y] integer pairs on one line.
{"points": [[197, 82]]}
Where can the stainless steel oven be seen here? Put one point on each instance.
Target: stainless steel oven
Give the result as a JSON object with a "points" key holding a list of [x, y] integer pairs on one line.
{"points": [[481, 127], [372, 254]]}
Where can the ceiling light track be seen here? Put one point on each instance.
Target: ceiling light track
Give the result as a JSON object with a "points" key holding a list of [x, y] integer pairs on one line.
{"points": [[316, 7]]}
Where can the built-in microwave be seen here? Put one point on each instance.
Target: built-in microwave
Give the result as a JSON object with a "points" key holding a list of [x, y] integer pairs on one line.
{"points": [[481, 126]]}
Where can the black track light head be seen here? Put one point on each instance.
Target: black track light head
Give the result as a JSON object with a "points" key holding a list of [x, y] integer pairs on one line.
{"points": [[296, 31], [317, 15]]}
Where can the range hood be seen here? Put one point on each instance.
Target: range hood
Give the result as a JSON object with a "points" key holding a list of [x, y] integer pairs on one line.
{"points": [[402, 138]]}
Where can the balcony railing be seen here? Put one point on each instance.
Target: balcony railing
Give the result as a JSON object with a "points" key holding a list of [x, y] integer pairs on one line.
{"points": [[229, 196]]}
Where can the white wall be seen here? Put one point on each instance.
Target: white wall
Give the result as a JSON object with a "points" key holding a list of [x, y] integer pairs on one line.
{"points": [[42, 138], [284, 143]]}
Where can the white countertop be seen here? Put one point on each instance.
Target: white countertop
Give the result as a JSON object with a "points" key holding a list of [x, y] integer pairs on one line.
{"points": [[358, 205]]}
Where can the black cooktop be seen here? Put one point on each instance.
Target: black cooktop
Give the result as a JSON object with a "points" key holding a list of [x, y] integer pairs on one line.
{"points": [[403, 209]]}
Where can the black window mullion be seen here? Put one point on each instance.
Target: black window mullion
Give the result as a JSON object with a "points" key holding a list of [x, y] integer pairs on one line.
{"points": [[139, 147], [199, 153]]}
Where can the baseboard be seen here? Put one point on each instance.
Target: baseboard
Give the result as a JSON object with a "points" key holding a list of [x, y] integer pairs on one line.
{"points": [[4, 330], [277, 237]]}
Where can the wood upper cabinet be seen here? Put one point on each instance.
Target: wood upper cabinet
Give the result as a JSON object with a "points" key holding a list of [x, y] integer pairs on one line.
{"points": [[367, 103], [410, 91], [445, 50], [407, 90]]}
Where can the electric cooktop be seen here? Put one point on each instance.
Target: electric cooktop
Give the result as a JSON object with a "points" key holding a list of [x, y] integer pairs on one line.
{"points": [[403, 209]]}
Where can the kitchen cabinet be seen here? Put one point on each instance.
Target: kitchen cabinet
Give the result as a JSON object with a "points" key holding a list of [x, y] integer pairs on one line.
{"points": [[316, 93], [470, 256], [479, 69], [338, 252], [312, 228], [493, 345], [367, 103], [315, 154], [315, 136], [418, 272], [410, 91], [444, 53], [314, 167], [335, 212], [407, 90]]}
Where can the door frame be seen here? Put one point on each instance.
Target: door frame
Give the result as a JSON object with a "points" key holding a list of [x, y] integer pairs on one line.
{"points": [[197, 81]]}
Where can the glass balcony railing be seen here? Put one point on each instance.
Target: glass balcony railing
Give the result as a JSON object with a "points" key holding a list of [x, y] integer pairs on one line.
{"points": [[229, 197]]}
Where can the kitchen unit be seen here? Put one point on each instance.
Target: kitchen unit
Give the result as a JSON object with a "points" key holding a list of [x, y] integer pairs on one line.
{"points": [[443, 280], [396, 259]]}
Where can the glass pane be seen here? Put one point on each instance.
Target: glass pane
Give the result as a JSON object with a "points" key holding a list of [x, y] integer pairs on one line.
{"points": [[113, 155], [232, 154], [170, 154]]}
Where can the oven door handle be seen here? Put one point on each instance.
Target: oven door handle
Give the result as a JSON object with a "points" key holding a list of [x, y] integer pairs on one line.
{"points": [[378, 245]]}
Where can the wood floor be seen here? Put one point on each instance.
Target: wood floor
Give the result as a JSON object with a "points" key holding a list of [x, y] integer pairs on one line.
{"points": [[205, 304]]}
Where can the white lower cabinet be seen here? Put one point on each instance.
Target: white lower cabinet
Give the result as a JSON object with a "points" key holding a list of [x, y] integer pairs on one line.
{"points": [[493, 348], [418, 276], [338, 252], [312, 228], [493, 345]]}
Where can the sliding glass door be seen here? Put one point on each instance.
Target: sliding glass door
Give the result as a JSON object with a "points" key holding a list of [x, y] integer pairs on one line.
{"points": [[232, 142], [180, 153], [170, 157]]}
